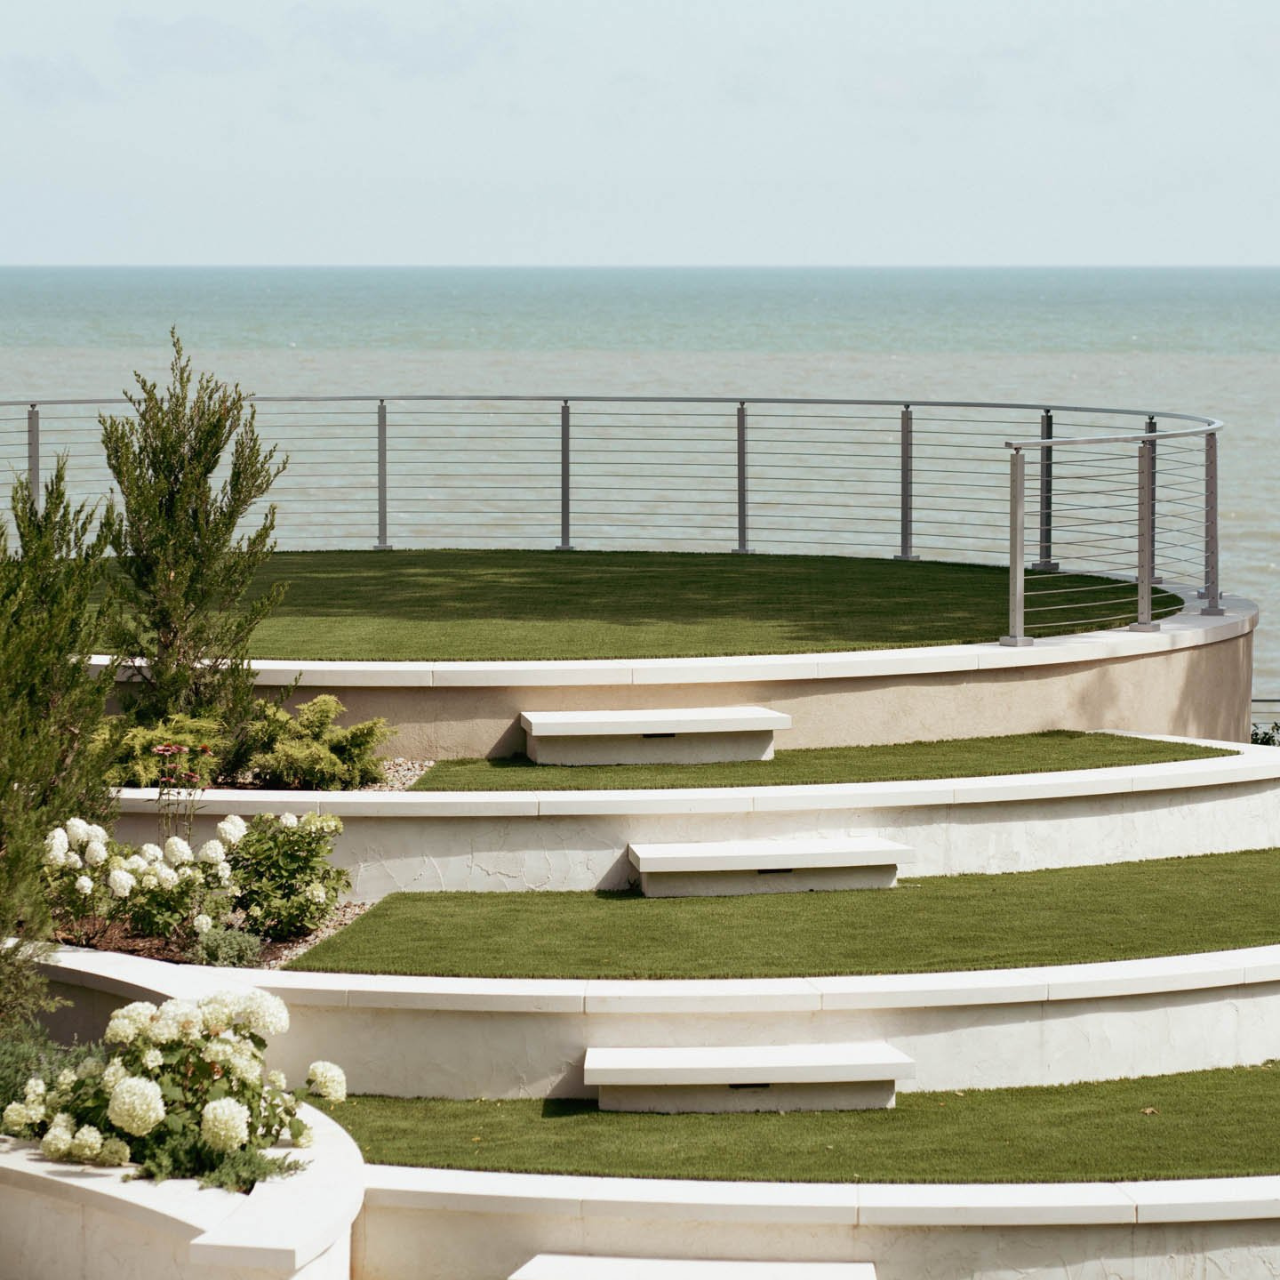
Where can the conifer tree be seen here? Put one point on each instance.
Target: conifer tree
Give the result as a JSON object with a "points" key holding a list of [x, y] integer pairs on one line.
{"points": [[182, 623]]}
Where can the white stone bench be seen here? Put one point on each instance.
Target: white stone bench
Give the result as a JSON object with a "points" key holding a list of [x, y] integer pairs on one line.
{"points": [[771, 1077], [569, 1266], [679, 735], [767, 866]]}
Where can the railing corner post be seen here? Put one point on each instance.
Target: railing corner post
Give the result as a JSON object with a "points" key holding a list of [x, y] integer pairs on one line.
{"points": [[1146, 533], [1211, 593], [1046, 562], [33, 452], [742, 548], [1017, 637]]}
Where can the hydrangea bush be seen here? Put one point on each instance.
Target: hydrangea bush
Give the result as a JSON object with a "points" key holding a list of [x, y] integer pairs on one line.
{"points": [[181, 1091], [271, 876]]}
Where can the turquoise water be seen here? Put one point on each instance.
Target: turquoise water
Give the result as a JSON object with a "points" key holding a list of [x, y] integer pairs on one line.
{"points": [[1207, 310], [1203, 341]]}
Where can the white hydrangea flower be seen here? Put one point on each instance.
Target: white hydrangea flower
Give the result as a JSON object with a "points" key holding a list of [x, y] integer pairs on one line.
{"points": [[95, 853], [232, 829], [224, 1124], [276, 1080], [202, 923], [136, 1105], [263, 1013], [328, 1080], [176, 1020], [212, 851], [218, 1012], [288, 819], [165, 875], [244, 1063], [114, 1153], [112, 1074], [219, 1051], [152, 1058], [34, 1090], [15, 1117], [152, 852], [223, 870], [72, 860], [121, 883], [84, 886], [77, 832], [177, 852], [127, 1021], [66, 1078], [56, 1142], [97, 833], [305, 1137], [87, 1143], [135, 863], [315, 892], [55, 848], [329, 823], [148, 881]]}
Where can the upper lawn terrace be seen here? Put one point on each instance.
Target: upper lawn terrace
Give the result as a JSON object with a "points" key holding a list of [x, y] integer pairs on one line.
{"points": [[527, 605]]}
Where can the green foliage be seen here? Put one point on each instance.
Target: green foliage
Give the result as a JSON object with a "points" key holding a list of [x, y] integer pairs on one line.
{"points": [[27, 1049], [1262, 737], [182, 616], [288, 886], [51, 705], [227, 948], [308, 751], [241, 1170], [141, 760]]}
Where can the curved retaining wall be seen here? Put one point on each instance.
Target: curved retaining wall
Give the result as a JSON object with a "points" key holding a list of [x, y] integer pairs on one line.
{"points": [[511, 840], [68, 1220], [1192, 677], [476, 1037], [439, 1223]]}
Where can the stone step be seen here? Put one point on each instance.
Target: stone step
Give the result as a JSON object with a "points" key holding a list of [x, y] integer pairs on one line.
{"points": [[767, 866], [677, 735], [772, 1077], [565, 1266]]}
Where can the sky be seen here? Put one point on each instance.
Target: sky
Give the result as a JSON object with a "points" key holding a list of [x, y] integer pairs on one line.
{"points": [[640, 132]]}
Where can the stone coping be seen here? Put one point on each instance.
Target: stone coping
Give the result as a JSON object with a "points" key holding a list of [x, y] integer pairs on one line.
{"points": [[135, 977], [280, 1226], [855, 1205], [1248, 764], [1187, 629]]}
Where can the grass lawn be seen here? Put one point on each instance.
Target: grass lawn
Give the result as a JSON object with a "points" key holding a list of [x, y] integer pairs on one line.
{"points": [[905, 761], [474, 605], [1207, 1124], [1075, 915]]}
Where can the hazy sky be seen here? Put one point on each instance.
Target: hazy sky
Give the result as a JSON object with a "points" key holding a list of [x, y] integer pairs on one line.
{"points": [[640, 132]]}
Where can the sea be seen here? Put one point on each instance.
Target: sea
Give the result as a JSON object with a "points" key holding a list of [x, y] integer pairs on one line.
{"points": [[1203, 341]]}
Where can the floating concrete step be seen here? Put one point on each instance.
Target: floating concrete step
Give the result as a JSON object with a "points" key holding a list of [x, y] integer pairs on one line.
{"points": [[767, 866], [771, 1077], [565, 1266], [679, 735]]}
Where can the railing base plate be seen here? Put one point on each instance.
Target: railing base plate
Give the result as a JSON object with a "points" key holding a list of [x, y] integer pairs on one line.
{"points": [[1016, 642]]}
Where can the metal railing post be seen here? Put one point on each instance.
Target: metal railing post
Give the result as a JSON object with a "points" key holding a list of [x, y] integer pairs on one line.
{"points": [[741, 548], [1151, 431], [33, 452], [565, 477], [905, 498], [382, 544], [1146, 536], [1017, 535], [1212, 600], [1045, 564]]}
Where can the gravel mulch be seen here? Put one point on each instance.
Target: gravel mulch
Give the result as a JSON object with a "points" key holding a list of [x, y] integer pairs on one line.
{"points": [[399, 774]]}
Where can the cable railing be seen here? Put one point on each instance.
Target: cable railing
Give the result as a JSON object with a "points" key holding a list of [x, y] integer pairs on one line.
{"points": [[1094, 512]]}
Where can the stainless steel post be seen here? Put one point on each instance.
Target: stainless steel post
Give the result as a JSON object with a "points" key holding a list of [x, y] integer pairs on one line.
{"points": [[1146, 536], [905, 499], [382, 543], [1046, 562], [33, 452], [741, 548], [1017, 560], [1212, 600], [565, 477], [1151, 431]]}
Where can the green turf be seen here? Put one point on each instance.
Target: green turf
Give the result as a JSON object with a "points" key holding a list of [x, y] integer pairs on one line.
{"points": [[931, 924], [1209, 1124], [905, 761], [461, 605]]}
